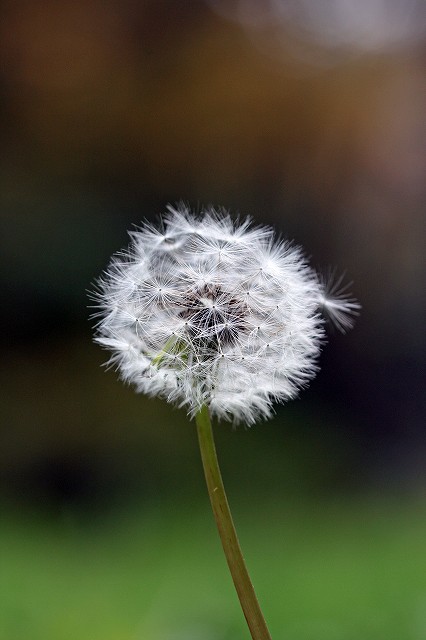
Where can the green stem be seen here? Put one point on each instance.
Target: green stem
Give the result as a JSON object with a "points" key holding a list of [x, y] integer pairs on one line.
{"points": [[225, 525]]}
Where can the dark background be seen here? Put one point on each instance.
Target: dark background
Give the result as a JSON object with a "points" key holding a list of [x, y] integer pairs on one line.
{"points": [[110, 110]]}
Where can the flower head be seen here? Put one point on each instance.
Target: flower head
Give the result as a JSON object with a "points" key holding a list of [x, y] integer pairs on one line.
{"points": [[207, 311]]}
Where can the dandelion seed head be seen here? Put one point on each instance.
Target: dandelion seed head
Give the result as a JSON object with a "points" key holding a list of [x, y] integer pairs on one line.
{"points": [[204, 310]]}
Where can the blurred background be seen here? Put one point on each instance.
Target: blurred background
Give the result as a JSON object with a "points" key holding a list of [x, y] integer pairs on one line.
{"points": [[308, 115]]}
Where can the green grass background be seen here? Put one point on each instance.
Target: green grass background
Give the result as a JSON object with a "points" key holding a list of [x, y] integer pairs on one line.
{"points": [[324, 571]]}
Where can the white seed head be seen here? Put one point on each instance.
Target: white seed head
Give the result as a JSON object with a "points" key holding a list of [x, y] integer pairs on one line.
{"points": [[207, 311]]}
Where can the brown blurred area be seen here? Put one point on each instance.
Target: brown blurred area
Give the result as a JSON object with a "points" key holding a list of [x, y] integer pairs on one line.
{"points": [[110, 110]]}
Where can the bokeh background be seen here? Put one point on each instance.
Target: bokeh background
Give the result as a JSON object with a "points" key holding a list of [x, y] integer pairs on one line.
{"points": [[306, 115]]}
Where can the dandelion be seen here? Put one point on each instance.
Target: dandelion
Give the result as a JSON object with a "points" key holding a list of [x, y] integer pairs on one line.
{"points": [[224, 319], [207, 312]]}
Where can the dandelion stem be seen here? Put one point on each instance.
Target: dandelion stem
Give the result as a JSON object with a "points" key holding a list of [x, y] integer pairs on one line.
{"points": [[225, 525]]}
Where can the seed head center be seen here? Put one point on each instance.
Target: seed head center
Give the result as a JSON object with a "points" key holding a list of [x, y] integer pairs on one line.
{"points": [[214, 316]]}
